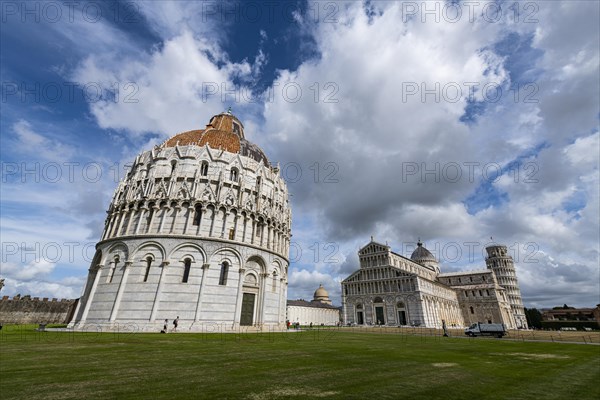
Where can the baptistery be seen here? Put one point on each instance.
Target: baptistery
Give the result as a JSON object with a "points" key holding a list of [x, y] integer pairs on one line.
{"points": [[198, 231]]}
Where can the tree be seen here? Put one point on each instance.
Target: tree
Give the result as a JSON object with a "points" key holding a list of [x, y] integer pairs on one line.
{"points": [[534, 317]]}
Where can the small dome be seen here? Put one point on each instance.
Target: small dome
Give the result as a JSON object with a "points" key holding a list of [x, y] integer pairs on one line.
{"points": [[422, 255], [321, 293], [223, 132]]}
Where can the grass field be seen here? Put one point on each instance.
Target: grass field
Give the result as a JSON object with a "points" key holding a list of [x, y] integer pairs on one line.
{"points": [[328, 364]]}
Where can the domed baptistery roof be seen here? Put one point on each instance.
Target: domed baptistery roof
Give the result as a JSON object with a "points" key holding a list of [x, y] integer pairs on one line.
{"points": [[223, 132], [199, 229]]}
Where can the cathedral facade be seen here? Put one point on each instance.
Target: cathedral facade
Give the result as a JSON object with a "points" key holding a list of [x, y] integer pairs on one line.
{"points": [[390, 289], [198, 230]]}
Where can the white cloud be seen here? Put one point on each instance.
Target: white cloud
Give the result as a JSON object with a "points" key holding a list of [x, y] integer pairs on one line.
{"points": [[303, 284], [584, 151], [176, 88], [34, 269], [50, 289], [42, 146]]}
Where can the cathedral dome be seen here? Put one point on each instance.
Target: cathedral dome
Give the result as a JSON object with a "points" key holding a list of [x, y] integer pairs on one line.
{"points": [[421, 255], [223, 132]]}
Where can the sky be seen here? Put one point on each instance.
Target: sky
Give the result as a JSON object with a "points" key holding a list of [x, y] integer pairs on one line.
{"points": [[457, 123]]}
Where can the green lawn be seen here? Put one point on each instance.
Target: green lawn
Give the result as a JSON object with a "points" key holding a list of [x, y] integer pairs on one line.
{"points": [[295, 365]]}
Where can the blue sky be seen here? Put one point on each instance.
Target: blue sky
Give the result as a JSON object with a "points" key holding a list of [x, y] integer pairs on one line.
{"points": [[449, 121]]}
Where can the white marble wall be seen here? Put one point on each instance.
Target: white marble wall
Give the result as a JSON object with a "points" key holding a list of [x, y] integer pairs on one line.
{"points": [[314, 315], [245, 221]]}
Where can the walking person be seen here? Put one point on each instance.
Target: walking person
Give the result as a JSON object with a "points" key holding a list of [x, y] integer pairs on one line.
{"points": [[175, 323], [165, 326]]}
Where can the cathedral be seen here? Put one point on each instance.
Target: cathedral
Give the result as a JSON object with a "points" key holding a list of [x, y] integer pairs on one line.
{"points": [[198, 230], [390, 289]]}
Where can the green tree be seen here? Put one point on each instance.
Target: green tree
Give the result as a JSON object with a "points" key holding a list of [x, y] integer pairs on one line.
{"points": [[534, 318]]}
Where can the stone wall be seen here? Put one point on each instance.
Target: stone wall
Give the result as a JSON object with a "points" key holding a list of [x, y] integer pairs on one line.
{"points": [[27, 310]]}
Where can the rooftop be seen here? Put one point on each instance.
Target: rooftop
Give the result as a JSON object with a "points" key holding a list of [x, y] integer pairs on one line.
{"points": [[223, 132]]}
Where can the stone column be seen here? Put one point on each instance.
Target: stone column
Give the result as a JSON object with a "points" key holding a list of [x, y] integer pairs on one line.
{"points": [[122, 285], [111, 225], [124, 214], [118, 223], [236, 225], [282, 300], [139, 222], [174, 224], [202, 284], [188, 220], [106, 228], [262, 234], [131, 215], [90, 295], [238, 301], [244, 228], [263, 294], [165, 264], [212, 222], [224, 227], [166, 210], [155, 209], [202, 218]]}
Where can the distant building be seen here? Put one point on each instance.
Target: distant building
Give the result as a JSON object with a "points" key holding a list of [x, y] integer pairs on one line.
{"points": [[390, 289], [319, 311], [572, 314]]}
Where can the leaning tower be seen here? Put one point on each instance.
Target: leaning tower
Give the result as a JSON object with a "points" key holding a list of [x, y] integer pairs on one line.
{"points": [[199, 230], [503, 266]]}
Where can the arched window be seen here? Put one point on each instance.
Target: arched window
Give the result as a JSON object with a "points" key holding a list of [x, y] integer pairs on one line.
{"points": [[148, 265], [233, 175], [173, 165], [204, 168], [472, 311], [197, 215], [187, 264], [274, 288], [258, 181], [224, 273]]}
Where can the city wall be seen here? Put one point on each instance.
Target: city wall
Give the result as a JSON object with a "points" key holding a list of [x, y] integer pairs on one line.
{"points": [[28, 310]]}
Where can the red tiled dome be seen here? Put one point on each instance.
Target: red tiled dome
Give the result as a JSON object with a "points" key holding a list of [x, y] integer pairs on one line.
{"points": [[223, 132]]}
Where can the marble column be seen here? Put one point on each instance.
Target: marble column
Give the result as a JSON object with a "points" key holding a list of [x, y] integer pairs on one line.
{"points": [[122, 285]]}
